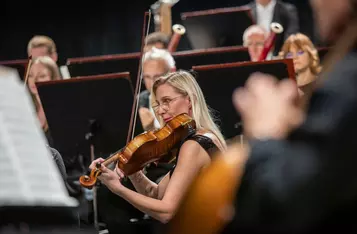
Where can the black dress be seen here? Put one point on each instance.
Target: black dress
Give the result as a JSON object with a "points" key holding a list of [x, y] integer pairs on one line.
{"points": [[204, 141]]}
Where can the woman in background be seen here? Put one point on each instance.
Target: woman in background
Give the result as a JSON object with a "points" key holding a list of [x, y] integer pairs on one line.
{"points": [[306, 60], [42, 69]]}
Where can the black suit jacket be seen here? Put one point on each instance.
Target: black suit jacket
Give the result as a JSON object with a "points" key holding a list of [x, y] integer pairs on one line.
{"points": [[308, 182], [285, 14]]}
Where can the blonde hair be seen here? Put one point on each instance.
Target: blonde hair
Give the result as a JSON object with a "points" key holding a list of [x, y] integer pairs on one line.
{"points": [[50, 65], [41, 41], [302, 42], [184, 83]]}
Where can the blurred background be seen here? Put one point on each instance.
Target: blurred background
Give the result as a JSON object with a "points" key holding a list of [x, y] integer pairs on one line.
{"points": [[86, 28]]}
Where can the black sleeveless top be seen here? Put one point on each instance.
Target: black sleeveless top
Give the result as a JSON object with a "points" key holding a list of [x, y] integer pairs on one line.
{"points": [[204, 141]]}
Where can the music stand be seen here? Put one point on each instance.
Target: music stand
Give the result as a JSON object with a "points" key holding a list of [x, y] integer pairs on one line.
{"points": [[218, 27], [96, 65], [187, 59], [88, 116], [219, 81]]}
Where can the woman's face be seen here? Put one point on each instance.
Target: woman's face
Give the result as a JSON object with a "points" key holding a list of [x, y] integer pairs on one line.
{"points": [[300, 58], [170, 103], [38, 73]]}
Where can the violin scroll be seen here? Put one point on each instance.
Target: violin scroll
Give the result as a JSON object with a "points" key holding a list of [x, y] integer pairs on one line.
{"points": [[88, 181]]}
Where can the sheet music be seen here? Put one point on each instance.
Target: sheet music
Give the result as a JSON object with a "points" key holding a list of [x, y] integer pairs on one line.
{"points": [[28, 174]]}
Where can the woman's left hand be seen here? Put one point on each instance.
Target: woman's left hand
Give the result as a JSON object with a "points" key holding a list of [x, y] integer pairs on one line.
{"points": [[111, 179]]}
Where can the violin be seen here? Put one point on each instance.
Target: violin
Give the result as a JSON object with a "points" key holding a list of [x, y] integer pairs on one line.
{"points": [[146, 148]]}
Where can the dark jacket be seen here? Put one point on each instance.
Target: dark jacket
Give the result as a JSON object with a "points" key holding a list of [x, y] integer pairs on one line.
{"points": [[144, 99]]}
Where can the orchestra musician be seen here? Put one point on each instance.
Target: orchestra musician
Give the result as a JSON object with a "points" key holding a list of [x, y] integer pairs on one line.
{"points": [[265, 12], [42, 69], [254, 38], [300, 174], [41, 45], [306, 60], [156, 63], [172, 94], [156, 39]]}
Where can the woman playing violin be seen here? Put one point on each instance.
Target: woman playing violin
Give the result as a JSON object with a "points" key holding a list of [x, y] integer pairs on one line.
{"points": [[173, 94]]}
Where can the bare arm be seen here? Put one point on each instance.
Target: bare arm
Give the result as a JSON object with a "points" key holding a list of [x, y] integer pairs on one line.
{"points": [[191, 159], [144, 185]]}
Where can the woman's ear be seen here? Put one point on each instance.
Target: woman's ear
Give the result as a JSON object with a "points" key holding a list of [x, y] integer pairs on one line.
{"points": [[190, 103]]}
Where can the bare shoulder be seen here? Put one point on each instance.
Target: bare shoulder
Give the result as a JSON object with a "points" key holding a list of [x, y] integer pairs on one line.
{"points": [[191, 151], [190, 147]]}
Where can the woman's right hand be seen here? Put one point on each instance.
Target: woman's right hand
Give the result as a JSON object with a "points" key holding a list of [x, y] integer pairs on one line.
{"points": [[93, 165]]}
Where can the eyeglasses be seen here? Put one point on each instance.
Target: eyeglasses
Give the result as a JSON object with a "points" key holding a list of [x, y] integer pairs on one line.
{"points": [[166, 103], [291, 55]]}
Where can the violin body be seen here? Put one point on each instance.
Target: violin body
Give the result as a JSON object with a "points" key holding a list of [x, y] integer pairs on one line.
{"points": [[146, 148]]}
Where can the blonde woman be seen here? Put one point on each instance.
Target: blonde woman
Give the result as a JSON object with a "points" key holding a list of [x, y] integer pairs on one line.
{"points": [[42, 69], [173, 94], [306, 60]]}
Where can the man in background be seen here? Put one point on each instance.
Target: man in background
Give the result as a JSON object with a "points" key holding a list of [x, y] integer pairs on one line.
{"points": [[267, 11], [158, 40], [254, 38], [156, 63], [41, 45]]}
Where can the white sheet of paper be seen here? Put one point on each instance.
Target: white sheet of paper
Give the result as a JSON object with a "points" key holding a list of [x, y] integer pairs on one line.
{"points": [[28, 174]]}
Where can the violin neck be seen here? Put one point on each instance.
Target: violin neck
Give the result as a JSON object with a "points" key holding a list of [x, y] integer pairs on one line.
{"points": [[112, 158]]}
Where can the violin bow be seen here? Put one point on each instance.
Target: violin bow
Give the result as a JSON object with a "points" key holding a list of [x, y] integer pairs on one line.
{"points": [[27, 72], [208, 206], [134, 112]]}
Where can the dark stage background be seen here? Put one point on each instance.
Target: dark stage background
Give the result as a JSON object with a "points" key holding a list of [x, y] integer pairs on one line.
{"points": [[89, 28]]}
